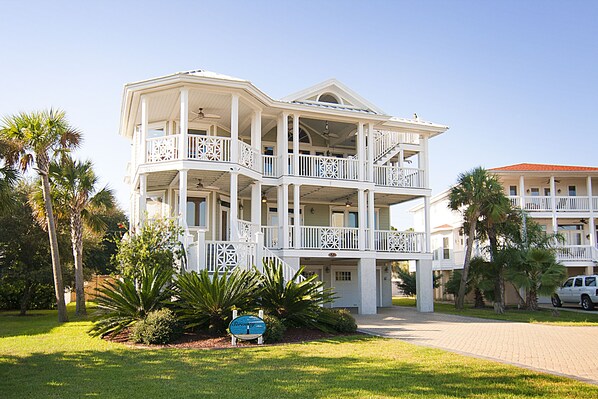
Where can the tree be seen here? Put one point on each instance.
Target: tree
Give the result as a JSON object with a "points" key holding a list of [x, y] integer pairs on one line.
{"points": [[407, 280], [471, 195], [77, 198], [8, 177], [35, 139]]}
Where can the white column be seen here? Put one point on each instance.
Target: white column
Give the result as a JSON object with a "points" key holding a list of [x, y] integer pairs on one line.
{"points": [[183, 198], [295, 144], [283, 215], [522, 191], [360, 152], [370, 168], [424, 163], [144, 122], [201, 250], [297, 216], [256, 131], [371, 220], [424, 286], [234, 129], [553, 204], [366, 278], [259, 250], [427, 244], [234, 205], [592, 210], [283, 144], [183, 137], [256, 203], [361, 214], [142, 198]]}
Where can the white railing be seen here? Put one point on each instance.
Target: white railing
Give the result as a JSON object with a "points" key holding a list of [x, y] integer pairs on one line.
{"points": [[329, 237], [574, 253], [386, 141], [249, 156], [572, 204], [209, 148], [538, 203], [393, 176], [398, 241], [271, 236], [222, 256], [290, 163], [270, 165], [287, 271], [515, 201], [595, 204], [327, 167], [162, 148], [247, 230]]}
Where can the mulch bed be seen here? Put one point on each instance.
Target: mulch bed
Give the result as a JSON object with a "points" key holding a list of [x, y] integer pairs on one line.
{"points": [[201, 340]]}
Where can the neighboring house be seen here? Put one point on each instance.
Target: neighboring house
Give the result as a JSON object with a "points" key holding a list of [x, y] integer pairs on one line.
{"points": [[307, 180], [559, 198]]}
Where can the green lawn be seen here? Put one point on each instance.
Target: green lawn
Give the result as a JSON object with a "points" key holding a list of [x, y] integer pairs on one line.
{"points": [[543, 316], [41, 359]]}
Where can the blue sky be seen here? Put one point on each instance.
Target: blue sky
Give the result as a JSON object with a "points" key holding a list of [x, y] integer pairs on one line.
{"points": [[515, 81]]}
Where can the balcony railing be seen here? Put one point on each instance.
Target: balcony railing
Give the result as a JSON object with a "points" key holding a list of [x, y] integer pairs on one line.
{"points": [[398, 241], [394, 176], [575, 253], [538, 204], [271, 236], [563, 203], [327, 167], [270, 166], [162, 148], [572, 204], [330, 237], [249, 157], [209, 148]]}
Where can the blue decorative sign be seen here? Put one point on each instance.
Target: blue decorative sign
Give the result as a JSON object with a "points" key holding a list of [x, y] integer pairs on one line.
{"points": [[247, 327]]}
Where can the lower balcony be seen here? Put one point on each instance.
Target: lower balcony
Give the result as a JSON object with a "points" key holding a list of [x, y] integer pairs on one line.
{"points": [[577, 253]]}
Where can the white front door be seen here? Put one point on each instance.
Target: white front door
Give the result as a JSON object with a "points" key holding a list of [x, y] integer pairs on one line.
{"points": [[224, 223]]}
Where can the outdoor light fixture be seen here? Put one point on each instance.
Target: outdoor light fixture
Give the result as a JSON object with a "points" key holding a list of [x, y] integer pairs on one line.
{"points": [[348, 203], [312, 211], [327, 270], [264, 199]]}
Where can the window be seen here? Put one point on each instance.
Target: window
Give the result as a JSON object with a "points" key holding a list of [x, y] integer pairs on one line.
{"points": [[578, 282], [155, 132], [353, 219], [535, 192], [446, 252], [154, 203], [342, 276], [308, 273], [328, 98], [590, 281], [197, 212], [338, 219], [546, 191], [198, 132], [512, 190], [268, 150], [572, 191], [303, 136], [568, 283]]}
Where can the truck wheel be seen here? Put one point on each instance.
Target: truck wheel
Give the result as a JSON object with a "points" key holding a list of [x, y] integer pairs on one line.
{"points": [[556, 301], [586, 303]]}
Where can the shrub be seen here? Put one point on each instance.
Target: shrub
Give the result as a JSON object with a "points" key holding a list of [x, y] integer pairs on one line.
{"points": [[122, 303], [340, 320], [295, 303], [158, 327], [206, 301], [274, 329]]}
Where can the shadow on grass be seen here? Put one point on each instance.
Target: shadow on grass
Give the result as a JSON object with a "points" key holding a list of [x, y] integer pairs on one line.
{"points": [[33, 323], [313, 370]]}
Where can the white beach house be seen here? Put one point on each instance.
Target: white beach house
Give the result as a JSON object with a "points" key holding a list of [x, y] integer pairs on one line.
{"points": [[307, 180]]}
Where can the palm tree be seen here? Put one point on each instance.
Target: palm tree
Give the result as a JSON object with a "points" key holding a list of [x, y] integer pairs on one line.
{"points": [[472, 194], [75, 193], [35, 138], [8, 177]]}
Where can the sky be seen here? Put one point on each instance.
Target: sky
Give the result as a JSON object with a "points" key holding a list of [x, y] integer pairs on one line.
{"points": [[516, 81]]}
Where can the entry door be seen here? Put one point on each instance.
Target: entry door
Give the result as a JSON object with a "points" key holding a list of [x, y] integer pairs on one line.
{"points": [[573, 234], [224, 223]]}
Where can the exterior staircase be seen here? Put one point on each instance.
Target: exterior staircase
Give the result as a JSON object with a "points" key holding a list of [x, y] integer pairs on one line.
{"points": [[388, 144]]}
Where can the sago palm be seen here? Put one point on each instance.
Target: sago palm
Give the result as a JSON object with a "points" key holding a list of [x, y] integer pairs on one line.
{"points": [[35, 139]]}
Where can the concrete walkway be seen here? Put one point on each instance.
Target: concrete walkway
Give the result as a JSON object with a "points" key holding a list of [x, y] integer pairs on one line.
{"points": [[561, 350]]}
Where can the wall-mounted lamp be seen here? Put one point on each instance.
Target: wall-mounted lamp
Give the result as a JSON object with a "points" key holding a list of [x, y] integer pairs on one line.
{"points": [[558, 191], [386, 269], [264, 199], [312, 211], [527, 191], [348, 203], [327, 269]]}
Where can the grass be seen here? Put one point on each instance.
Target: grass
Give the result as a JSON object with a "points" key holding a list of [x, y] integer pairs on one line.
{"points": [[40, 358], [542, 316]]}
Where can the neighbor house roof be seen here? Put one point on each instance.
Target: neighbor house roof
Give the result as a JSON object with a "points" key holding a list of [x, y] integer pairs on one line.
{"points": [[538, 167]]}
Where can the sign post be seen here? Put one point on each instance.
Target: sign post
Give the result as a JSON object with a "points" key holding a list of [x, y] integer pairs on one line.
{"points": [[247, 327]]}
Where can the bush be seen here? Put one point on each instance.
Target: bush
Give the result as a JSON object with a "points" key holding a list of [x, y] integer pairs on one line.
{"points": [[274, 329], [340, 320], [158, 327]]}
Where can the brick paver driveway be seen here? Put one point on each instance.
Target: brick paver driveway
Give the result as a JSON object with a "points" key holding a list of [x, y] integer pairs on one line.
{"points": [[569, 351]]}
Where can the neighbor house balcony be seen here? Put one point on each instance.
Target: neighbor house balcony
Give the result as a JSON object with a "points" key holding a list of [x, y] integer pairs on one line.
{"points": [[560, 204], [577, 253]]}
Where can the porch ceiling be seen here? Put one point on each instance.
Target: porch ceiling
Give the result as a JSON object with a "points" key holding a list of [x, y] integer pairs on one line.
{"points": [[210, 179]]}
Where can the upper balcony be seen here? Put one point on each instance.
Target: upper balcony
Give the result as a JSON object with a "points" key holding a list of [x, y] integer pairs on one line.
{"points": [[564, 204]]}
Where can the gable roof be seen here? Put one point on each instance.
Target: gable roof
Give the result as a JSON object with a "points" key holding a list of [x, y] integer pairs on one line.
{"points": [[332, 85], [538, 167]]}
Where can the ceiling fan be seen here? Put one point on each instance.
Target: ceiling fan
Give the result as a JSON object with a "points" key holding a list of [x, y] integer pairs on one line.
{"points": [[201, 115], [200, 186], [327, 133]]}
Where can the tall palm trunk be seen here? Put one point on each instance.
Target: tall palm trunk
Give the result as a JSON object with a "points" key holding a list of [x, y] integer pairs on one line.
{"points": [[464, 276], [499, 285], [77, 243], [57, 270]]}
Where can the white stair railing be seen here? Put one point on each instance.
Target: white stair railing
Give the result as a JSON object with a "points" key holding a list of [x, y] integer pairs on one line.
{"points": [[287, 270], [387, 144]]}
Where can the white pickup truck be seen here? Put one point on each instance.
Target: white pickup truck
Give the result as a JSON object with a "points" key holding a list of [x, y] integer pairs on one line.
{"points": [[582, 290]]}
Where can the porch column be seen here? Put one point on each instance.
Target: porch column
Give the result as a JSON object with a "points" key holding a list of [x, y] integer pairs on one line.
{"points": [[297, 216], [371, 220], [360, 152], [144, 122], [142, 198], [522, 191], [295, 145], [424, 164], [370, 148], [256, 130], [427, 244], [234, 130], [234, 206], [283, 214], [183, 198], [553, 204], [592, 221], [424, 286], [283, 144], [183, 137], [361, 211], [366, 279], [256, 203]]}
